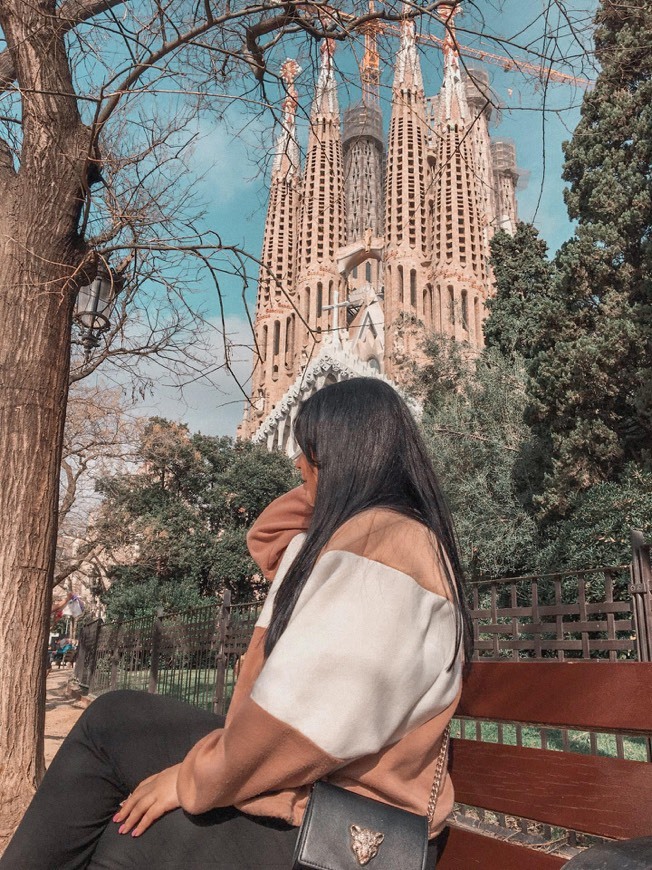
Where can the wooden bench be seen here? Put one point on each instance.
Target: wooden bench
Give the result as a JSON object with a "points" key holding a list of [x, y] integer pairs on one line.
{"points": [[608, 797]]}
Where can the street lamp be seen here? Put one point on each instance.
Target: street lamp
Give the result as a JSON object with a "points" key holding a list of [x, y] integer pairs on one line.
{"points": [[93, 307]]}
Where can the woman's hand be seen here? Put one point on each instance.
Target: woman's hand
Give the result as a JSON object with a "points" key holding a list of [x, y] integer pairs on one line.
{"points": [[151, 799]]}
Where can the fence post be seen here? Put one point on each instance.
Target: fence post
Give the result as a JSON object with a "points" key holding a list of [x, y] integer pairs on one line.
{"points": [[220, 661], [115, 657], [81, 653], [157, 633], [641, 589], [87, 656]]}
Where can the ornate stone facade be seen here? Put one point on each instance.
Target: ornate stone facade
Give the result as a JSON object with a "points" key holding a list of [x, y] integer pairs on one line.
{"points": [[369, 250]]}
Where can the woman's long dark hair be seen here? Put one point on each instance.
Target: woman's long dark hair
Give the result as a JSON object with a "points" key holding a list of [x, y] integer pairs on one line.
{"points": [[363, 439]]}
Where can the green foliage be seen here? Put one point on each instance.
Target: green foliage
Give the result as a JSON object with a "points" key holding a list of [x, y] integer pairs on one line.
{"points": [[137, 593], [592, 341], [597, 530], [479, 445], [175, 529], [523, 277], [545, 448]]}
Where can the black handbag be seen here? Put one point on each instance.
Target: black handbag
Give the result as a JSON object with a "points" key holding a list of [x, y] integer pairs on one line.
{"points": [[342, 830]]}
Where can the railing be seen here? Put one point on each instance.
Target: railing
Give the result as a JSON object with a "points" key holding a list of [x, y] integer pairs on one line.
{"points": [[577, 614], [192, 655], [601, 614]]}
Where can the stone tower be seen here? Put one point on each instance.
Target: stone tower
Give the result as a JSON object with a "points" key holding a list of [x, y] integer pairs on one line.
{"points": [[461, 205], [364, 150], [369, 251], [275, 325], [407, 249], [322, 226], [506, 178]]}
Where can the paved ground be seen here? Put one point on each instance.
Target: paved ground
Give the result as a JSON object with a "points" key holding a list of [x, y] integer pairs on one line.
{"points": [[61, 710]]}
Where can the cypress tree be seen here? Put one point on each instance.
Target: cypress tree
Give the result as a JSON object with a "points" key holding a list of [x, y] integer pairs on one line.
{"points": [[591, 397], [523, 278]]}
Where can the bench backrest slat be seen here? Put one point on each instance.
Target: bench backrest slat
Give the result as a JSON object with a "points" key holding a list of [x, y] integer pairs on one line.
{"points": [[599, 696], [466, 850], [604, 796]]}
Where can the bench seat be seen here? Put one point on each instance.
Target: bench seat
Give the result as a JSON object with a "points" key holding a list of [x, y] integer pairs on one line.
{"points": [[607, 797]]}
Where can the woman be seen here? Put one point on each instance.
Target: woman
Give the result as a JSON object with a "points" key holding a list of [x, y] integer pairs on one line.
{"points": [[353, 673]]}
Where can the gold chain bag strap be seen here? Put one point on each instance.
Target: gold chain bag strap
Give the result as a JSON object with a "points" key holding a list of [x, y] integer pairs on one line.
{"points": [[344, 831]]}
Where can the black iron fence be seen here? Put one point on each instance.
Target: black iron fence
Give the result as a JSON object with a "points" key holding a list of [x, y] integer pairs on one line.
{"points": [[193, 655]]}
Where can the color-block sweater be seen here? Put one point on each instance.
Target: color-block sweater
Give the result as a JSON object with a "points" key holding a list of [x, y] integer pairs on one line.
{"points": [[357, 689]]}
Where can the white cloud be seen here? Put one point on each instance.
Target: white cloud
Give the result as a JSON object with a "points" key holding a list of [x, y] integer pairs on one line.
{"points": [[225, 157], [212, 404]]}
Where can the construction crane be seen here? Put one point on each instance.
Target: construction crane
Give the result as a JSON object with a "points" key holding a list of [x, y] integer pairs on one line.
{"points": [[372, 28], [544, 73]]}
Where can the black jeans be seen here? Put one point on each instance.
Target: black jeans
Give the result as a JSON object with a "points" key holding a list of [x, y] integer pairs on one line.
{"points": [[120, 740]]}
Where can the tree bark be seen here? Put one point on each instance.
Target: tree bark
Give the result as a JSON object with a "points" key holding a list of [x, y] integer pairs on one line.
{"points": [[40, 254], [33, 366]]}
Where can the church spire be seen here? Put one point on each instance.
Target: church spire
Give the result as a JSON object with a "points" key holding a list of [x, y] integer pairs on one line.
{"points": [[286, 152], [453, 103], [322, 209], [408, 69], [406, 212], [275, 325], [325, 102], [460, 274]]}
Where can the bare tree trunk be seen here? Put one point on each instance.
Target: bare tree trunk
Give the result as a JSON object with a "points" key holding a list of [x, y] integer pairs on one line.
{"points": [[39, 253], [34, 354]]}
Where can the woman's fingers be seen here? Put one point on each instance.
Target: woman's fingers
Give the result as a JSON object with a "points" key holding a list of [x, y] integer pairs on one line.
{"points": [[127, 806], [136, 812], [152, 798], [155, 812]]}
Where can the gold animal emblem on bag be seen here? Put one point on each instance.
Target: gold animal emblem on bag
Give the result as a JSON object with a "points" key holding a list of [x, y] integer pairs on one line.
{"points": [[365, 843]]}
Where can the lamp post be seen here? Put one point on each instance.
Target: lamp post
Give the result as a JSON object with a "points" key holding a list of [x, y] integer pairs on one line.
{"points": [[93, 307]]}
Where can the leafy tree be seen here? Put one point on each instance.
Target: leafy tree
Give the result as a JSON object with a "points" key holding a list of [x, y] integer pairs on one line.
{"points": [[175, 530], [592, 352], [473, 424], [523, 278], [597, 529]]}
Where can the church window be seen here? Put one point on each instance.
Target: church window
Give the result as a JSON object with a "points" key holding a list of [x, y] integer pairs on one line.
{"points": [[367, 272], [277, 337], [451, 305], [478, 320], [413, 288], [465, 310], [289, 340], [400, 284], [263, 347], [320, 299], [439, 326]]}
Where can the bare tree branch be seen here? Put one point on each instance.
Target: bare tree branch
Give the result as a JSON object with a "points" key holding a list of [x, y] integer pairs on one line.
{"points": [[71, 13]]}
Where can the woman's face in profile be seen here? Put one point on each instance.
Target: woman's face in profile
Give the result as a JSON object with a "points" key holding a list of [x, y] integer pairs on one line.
{"points": [[309, 474]]}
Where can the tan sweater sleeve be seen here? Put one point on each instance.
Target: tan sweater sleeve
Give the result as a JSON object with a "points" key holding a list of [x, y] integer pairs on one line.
{"points": [[284, 518]]}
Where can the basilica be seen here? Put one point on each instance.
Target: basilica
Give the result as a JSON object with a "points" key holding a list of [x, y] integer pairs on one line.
{"points": [[374, 243]]}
